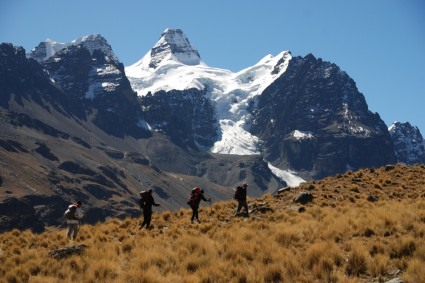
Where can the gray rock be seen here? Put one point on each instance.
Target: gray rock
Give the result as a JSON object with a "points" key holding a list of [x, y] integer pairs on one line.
{"points": [[303, 198], [372, 198], [283, 190], [395, 280], [389, 167], [261, 207], [67, 251]]}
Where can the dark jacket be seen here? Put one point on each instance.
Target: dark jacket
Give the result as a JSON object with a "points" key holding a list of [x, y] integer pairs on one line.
{"points": [[149, 201]]}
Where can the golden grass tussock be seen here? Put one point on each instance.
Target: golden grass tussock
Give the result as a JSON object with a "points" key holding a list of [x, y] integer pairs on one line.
{"points": [[340, 237]]}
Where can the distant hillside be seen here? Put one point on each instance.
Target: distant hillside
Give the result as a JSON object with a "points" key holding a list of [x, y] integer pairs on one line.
{"points": [[362, 226]]}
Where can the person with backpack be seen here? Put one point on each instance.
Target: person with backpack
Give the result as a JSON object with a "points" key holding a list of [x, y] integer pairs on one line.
{"points": [[194, 199], [240, 197], [146, 203], [73, 216]]}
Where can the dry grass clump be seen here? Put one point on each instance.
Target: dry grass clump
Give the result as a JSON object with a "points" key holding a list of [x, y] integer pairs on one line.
{"points": [[336, 239]]}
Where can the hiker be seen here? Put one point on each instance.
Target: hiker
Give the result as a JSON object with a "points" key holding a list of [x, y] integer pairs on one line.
{"points": [[240, 197], [194, 199], [73, 216], [146, 202]]}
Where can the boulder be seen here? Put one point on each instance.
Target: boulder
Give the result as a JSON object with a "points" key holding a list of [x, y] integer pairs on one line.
{"points": [[67, 251], [372, 198], [284, 190], [261, 207], [303, 198]]}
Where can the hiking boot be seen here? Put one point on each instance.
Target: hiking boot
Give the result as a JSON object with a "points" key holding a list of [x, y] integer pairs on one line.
{"points": [[199, 221]]}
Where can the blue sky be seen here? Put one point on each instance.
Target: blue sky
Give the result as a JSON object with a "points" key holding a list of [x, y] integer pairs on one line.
{"points": [[379, 43]]}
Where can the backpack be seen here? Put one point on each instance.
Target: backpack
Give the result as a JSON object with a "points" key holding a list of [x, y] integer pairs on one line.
{"points": [[70, 213], [238, 192], [194, 196], [143, 198]]}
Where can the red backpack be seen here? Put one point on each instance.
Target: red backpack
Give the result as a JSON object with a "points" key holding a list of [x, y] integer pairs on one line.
{"points": [[194, 196]]}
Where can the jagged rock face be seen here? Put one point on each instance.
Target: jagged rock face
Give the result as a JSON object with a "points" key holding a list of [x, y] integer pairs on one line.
{"points": [[100, 85], [314, 119], [174, 42], [69, 69], [48, 48], [186, 116], [409, 145], [41, 52], [25, 80]]}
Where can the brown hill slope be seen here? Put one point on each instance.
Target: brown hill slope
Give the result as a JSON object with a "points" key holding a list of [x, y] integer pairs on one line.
{"points": [[363, 226]]}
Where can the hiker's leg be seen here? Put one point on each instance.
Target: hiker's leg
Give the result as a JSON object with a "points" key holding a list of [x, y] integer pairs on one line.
{"points": [[145, 217], [75, 231], [239, 206], [196, 213], [69, 232], [148, 220], [245, 205], [193, 213]]}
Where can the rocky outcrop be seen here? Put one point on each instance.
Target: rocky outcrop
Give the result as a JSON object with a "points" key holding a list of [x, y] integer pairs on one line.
{"points": [[187, 116], [25, 80], [409, 145], [303, 198], [174, 43], [67, 251], [101, 88], [48, 48], [314, 119]]}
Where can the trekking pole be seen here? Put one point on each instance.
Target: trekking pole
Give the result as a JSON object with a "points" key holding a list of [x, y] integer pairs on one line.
{"points": [[209, 199]]}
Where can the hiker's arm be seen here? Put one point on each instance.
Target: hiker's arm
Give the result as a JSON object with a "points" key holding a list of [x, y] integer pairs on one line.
{"points": [[79, 213]]}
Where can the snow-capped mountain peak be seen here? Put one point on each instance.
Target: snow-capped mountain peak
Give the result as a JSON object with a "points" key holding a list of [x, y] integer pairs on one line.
{"points": [[49, 47], [174, 44], [172, 48], [172, 64]]}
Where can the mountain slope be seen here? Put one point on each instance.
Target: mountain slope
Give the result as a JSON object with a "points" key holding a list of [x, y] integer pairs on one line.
{"points": [[343, 235]]}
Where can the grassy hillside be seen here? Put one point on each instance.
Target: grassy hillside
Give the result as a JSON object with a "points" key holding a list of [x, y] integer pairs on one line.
{"points": [[340, 237]]}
